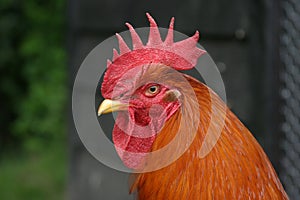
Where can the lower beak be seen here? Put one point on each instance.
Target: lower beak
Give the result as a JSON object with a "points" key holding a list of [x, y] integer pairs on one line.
{"points": [[108, 106]]}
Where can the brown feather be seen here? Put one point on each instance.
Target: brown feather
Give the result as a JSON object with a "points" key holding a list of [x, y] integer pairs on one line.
{"points": [[236, 168]]}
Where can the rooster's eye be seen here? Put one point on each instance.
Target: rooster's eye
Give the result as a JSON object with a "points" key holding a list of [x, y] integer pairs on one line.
{"points": [[152, 90]]}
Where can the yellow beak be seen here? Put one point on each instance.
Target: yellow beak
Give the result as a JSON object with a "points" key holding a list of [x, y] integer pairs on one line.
{"points": [[108, 106]]}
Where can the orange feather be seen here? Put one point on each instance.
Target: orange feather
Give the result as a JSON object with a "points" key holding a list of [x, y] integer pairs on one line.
{"points": [[236, 168]]}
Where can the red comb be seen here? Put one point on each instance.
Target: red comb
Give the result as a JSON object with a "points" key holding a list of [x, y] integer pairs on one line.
{"points": [[182, 55]]}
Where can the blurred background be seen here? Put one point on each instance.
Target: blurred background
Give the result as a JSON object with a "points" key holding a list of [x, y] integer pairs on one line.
{"points": [[255, 44]]}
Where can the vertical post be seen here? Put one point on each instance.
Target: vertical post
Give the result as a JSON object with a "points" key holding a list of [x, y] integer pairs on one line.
{"points": [[290, 95]]}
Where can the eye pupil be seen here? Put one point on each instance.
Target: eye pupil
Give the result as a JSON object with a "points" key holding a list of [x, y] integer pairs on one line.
{"points": [[153, 89]]}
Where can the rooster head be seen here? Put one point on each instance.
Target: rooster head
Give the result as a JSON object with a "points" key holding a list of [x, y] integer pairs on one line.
{"points": [[143, 85]]}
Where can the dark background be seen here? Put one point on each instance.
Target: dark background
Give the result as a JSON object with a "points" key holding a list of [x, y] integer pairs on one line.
{"points": [[255, 45]]}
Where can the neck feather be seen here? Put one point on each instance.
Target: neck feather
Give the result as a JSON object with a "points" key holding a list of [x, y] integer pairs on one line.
{"points": [[236, 167]]}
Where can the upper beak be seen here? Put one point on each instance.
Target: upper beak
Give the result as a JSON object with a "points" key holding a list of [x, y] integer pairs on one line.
{"points": [[108, 106]]}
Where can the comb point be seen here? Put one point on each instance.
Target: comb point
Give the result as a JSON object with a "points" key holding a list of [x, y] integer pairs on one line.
{"points": [[154, 34], [169, 38], [115, 54], [108, 63], [136, 40], [122, 45]]}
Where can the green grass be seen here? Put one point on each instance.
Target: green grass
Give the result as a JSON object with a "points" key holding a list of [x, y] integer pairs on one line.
{"points": [[34, 176]]}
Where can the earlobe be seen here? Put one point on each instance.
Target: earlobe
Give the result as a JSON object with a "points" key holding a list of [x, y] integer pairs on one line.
{"points": [[172, 95]]}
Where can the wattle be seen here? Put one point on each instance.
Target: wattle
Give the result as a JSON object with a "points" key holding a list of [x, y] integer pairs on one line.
{"points": [[130, 140], [136, 129], [133, 138]]}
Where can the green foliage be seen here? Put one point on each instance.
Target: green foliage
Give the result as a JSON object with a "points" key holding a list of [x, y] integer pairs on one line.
{"points": [[33, 71], [33, 94], [39, 176], [41, 115], [12, 83]]}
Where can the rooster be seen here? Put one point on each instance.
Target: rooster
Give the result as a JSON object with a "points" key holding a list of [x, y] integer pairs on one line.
{"points": [[165, 130]]}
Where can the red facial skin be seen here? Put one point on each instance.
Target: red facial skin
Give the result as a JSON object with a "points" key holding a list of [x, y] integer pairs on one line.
{"points": [[135, 130]]}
